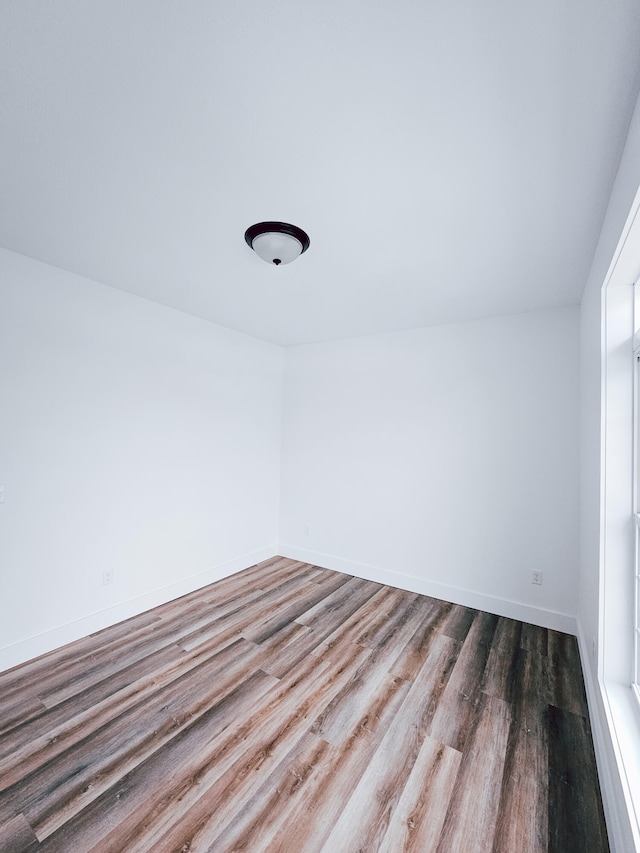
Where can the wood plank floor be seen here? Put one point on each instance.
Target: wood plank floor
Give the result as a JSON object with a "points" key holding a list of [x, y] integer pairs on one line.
{"points": [[290, 708]]}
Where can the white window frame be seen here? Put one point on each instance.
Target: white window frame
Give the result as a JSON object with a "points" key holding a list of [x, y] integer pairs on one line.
{"points": [[618, 568], [635, 679]]}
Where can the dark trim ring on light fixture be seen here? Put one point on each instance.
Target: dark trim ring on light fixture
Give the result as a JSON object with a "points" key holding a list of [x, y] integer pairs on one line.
{"points": [[284, 229], [280, 228]]}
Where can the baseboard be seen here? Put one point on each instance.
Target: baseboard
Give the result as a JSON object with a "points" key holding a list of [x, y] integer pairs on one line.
{"points": [[61, 635], [39, 644], [622, 836], [468, 598]]}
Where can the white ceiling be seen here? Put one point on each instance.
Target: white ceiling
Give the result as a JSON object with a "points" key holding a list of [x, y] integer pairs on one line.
{"points": [[449, 159]]}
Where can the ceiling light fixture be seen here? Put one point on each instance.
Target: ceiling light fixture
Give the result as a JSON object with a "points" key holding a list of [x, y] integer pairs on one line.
{"points": [[277, 242]]}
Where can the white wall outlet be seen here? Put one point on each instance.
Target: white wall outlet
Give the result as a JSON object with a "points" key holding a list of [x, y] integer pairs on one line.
{"points": [[2, 494], [107, 576], [536, 577], [307, 530]]}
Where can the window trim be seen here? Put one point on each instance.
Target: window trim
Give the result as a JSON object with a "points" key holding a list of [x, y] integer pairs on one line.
{"points": [[635, 639], [619, 696]]}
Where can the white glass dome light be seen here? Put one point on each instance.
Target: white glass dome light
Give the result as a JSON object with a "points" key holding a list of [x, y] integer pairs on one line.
{"points": [[276, 248], [277, 242]]}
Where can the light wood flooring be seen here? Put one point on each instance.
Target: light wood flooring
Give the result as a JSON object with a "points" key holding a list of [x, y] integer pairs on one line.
{"points": [[290, 708]]}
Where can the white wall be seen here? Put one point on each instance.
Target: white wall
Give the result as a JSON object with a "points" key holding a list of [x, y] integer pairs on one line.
{"points": [[132, 438], [447, 455]]}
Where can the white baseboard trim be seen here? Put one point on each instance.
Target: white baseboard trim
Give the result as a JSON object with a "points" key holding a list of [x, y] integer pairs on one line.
{"points": [[39, 644], [499, 606], [622, 824]]}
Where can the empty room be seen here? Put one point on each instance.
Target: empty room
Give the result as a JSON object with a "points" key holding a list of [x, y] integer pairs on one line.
{"points": [[319, 426]]}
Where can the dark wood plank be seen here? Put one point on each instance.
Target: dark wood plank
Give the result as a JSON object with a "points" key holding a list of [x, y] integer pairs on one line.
{"points": [[499, 678], [17, 836], [576, 819], [470, 820], [401, 609], [534, 639], [566, 687], [333, 632], [458, 707], [338, 606], [250, 610], [419, 646], [19, 711], [522, 822], [458, 622], [308, 597]]}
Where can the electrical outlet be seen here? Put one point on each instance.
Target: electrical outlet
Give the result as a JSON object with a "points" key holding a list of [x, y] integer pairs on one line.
{"points": [[107, 576], [307, 530], [2, 497], [536, 577]]}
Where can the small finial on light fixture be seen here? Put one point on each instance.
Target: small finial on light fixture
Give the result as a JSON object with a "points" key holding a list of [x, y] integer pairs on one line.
{"points": [[277, 242]]}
